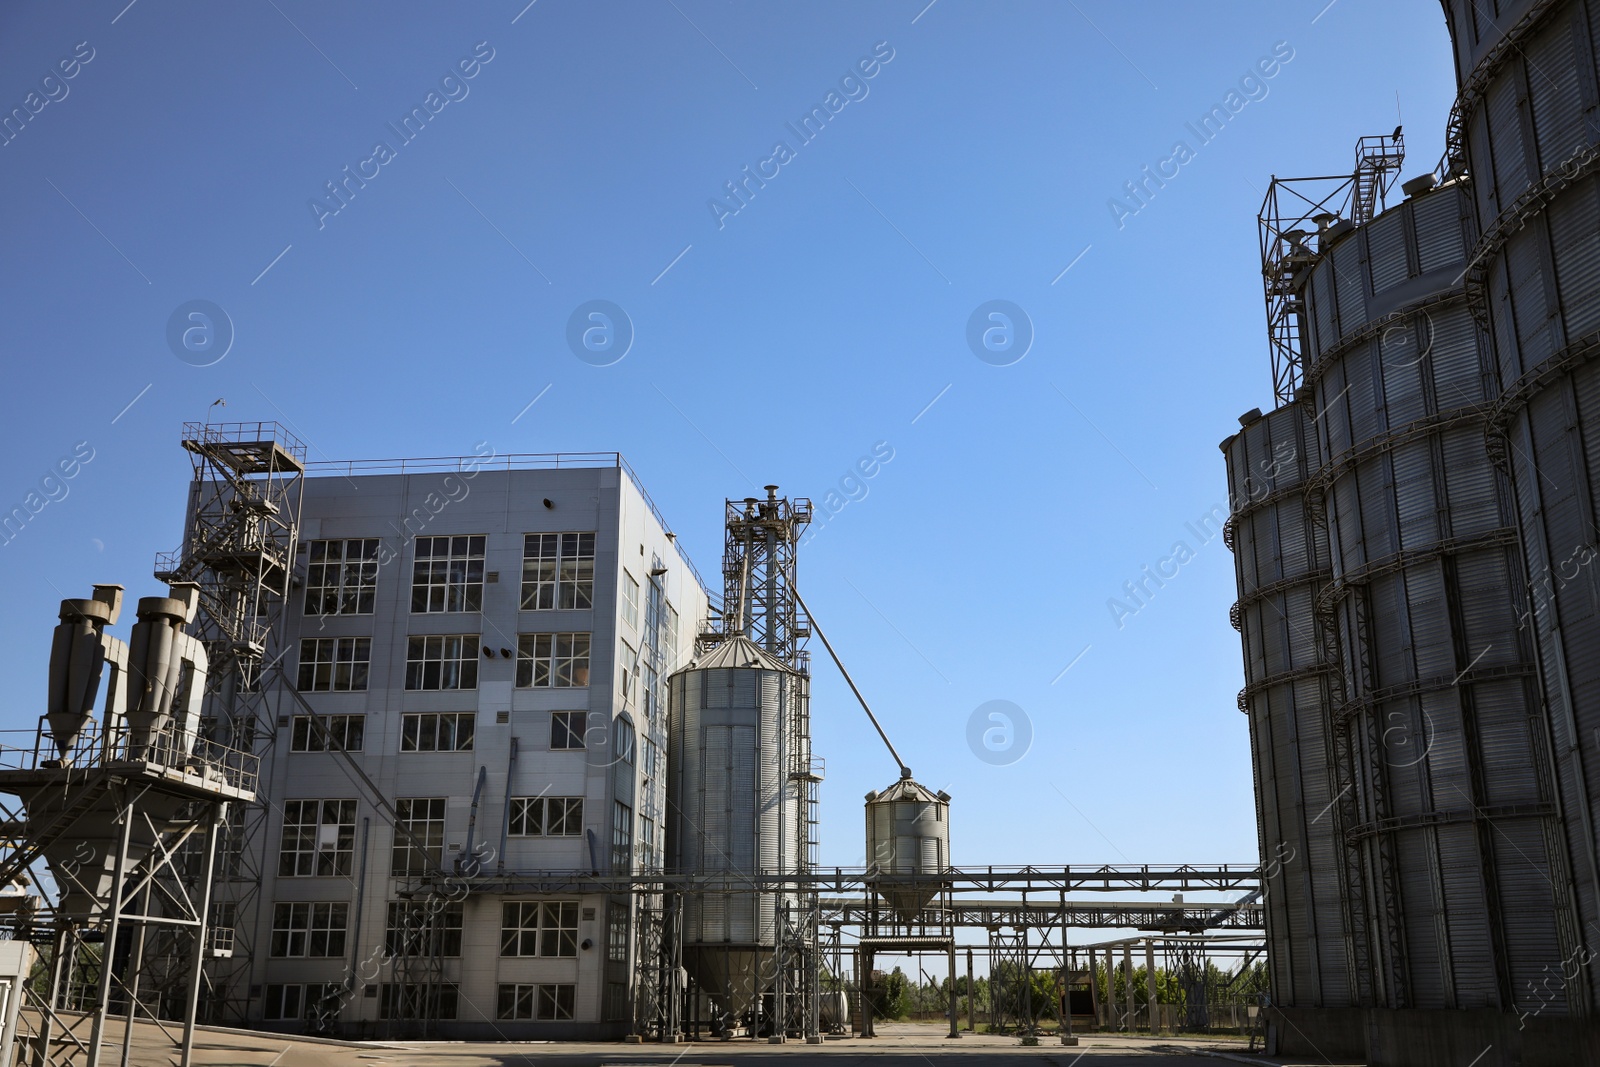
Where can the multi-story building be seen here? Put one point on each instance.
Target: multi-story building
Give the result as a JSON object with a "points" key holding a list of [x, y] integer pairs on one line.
{"points": [[488, 642]]}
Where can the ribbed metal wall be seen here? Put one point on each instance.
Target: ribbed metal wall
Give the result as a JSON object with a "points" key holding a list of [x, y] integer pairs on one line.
{"points": [[1527, 111], [1447, 760], [1281, 559]]}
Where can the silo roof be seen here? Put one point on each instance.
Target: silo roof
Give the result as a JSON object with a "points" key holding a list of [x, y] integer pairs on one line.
{"points": [[907, 789], [740, 652]]}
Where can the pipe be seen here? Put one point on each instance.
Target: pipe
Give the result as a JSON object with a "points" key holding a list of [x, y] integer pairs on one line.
{"points": [[905, 772], [505, 814], [472, 817]]}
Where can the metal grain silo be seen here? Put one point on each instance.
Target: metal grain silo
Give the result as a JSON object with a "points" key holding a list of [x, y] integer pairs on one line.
{"points": [[736, 717], [908, 846], [1453, 814], [1281, 562], [1523, 126]]}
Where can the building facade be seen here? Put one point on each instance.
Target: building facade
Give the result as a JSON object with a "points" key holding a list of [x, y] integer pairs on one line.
{"points": [[468, 678]]}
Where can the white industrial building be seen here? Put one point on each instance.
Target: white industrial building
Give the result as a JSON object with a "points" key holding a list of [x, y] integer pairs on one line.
{"points": [[489, 640]]}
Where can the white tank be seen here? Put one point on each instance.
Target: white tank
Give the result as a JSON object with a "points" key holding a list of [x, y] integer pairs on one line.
{"points": [[908, 845]]}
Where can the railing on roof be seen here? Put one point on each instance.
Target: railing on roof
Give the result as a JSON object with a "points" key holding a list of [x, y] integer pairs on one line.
{"points": [[519, 461]]}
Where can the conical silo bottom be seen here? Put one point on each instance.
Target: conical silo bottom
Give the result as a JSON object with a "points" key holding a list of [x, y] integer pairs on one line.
{"points": [[731, 975]]}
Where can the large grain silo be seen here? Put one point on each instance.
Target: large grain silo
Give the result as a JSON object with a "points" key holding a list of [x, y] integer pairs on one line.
{"points": [[1281, 557], [1454, 819], [1524, 126], [739, 717]]}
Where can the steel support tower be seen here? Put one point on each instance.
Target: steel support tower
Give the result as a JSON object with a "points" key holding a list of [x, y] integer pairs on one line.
{"points": [[240, 536]]}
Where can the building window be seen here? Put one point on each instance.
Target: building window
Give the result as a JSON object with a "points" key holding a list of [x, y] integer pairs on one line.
{"points": [[621, 836], [628, 664], [423, 928], [557, 571], [446, 731], [342, 577], [558, 661], [419, 853], [566, 729], [316, 1000], [652, 760], [339, 733], [418, 1001], [539, 928], [546, 817], [319, 838], [624, 741], [447, 574], [334, 664], [647, 842], [630, 600], [309, 928], [442, 661], [670, 639], [617, 932], [543, 1002]]}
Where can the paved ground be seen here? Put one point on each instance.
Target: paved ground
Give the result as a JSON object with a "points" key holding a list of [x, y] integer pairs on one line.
{"points": [[901, 1045]]}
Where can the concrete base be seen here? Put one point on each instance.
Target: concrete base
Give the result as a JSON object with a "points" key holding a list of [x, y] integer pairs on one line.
{"points": [[1433, 1038], [1069, 1039], [814, 1040]]}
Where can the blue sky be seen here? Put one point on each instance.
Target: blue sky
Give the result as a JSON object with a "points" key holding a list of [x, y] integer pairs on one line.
{"points": [[782, 343]]}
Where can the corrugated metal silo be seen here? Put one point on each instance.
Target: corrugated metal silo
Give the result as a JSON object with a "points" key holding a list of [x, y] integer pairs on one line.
{"points": [[908, 845], [1525, 113], [734, 717], [1447, 763], [1281, 560]]}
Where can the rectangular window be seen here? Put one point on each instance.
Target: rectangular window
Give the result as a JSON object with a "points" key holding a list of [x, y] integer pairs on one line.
{"points": [[617, 932], [424, 817], [546, 817], [447, 574], [418, 1001], [442, 661], [542, 1002], [557, 571], [539, 928], [423, 928], [566, 729], [334, 664], [652, 760], [670, 640], [558, 661], [283, 1002], [309, 928], [647, 842], [342, 577], [445, 731], [630, 600], [621, 836], [319, 838], [626, 666], [338, 733]]}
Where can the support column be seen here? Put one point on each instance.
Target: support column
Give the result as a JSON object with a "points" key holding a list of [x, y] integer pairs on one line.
{"points": [[955, 1030], [1094, 989], [1127, 983], [201, 936], [972, 1023], [1150, 986], [108, 949]]}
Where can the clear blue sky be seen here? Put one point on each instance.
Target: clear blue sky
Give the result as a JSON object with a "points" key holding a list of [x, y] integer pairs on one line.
{"points": [[822, 318]]}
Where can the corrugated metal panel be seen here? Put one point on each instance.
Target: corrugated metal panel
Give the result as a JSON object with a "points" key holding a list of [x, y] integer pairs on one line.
{"points": [[1474, 500], [1386, 250], [1323, 311], [1433, 648], [1575, 246], [1451, 338], [1401, 352], [1505, 132], [1554, 97], [1416, 501], [1350, 285], [1437, 223], [1529, 301]]}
